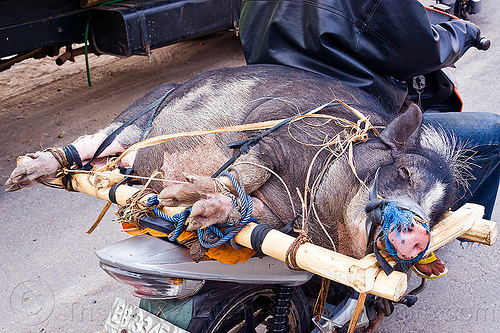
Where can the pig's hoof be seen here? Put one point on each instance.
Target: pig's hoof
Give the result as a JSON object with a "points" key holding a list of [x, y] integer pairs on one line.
{"points": [[13, 188], [19, 182], [421, 273], [197, 251], [212, 209]]}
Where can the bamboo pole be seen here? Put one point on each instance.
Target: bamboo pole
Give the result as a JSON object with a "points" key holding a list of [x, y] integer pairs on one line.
{"points": [[363, 275], [456, 224], [483, 231]]}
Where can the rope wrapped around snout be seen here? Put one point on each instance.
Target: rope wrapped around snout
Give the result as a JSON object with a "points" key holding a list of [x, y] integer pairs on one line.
{"points": [[397, 214]]}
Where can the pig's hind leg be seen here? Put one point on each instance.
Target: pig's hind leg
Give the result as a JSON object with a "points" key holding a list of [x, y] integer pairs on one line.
{"points": [[133, 133], [45, 163]]}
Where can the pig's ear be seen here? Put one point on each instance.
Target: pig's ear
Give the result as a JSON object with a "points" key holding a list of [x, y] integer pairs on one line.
{"points": [[403, 133]]}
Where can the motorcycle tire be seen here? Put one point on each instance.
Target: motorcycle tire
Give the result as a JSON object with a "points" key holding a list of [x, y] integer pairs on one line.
{"points": [[460, 9], [229, 315]]}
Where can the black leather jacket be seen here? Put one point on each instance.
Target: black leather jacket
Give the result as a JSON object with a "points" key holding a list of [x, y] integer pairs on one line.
{"points": [[372, 44]]}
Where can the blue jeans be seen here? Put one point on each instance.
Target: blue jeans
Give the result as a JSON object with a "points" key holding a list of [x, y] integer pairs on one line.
{"points": [[480, 133]]}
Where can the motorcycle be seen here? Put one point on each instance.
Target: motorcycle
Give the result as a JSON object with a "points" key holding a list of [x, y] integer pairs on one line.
{"points": [[459, 8], [259, 295], [209, 296], [437, 91]]}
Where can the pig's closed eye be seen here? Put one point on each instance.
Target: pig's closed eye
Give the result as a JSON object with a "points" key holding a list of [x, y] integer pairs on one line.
{"points": [[405, 173]]}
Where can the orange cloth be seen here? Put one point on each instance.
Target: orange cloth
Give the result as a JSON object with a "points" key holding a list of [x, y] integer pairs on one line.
{"points": [[224, 253]]}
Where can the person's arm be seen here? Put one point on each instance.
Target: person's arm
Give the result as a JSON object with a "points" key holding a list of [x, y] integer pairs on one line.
{"points": [[399, 40]]}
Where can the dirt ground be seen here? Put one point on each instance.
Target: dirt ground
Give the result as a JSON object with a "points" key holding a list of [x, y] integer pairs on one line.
{"points": [[40, 102], [43, 242]]}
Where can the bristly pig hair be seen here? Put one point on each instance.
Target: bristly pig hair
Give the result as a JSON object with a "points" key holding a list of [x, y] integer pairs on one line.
{"points": [[453, 151], [448, 146]]}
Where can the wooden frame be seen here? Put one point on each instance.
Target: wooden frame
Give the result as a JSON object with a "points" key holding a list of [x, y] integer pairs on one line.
{"points": [[363, 275]]}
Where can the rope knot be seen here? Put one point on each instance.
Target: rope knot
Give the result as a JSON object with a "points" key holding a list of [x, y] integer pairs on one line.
{"points": [[214, 235], [398, 218]]}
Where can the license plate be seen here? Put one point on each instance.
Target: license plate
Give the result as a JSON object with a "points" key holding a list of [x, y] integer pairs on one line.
{"points": [[128, 318]]}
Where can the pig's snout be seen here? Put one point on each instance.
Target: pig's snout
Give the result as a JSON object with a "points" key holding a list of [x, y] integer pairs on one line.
{"points": [[410, 242]]}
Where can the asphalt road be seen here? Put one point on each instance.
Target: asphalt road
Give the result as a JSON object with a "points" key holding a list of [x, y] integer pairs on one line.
{"points": [[50, 277]]}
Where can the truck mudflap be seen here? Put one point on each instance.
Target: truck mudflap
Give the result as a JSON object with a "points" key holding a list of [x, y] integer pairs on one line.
{"points": [[133, 28]]}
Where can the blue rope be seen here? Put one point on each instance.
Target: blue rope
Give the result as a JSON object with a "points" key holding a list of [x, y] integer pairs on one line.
{"points": [[178, 219], [398, 219], [227, 230]]}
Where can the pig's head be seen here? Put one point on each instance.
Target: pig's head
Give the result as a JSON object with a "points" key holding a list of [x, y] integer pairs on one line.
{"points": [[415, 189]]}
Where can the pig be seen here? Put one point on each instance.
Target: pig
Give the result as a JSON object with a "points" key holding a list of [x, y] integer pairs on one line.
{"points": [[420, 165]]}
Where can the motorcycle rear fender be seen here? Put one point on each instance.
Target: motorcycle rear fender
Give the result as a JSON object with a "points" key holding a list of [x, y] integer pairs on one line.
{"points": [[147, 254]]}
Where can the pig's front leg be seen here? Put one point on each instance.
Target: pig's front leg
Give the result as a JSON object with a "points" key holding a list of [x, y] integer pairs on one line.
{"points": [[186, 194], [210, 206], [218, 208], [212, 209]]}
